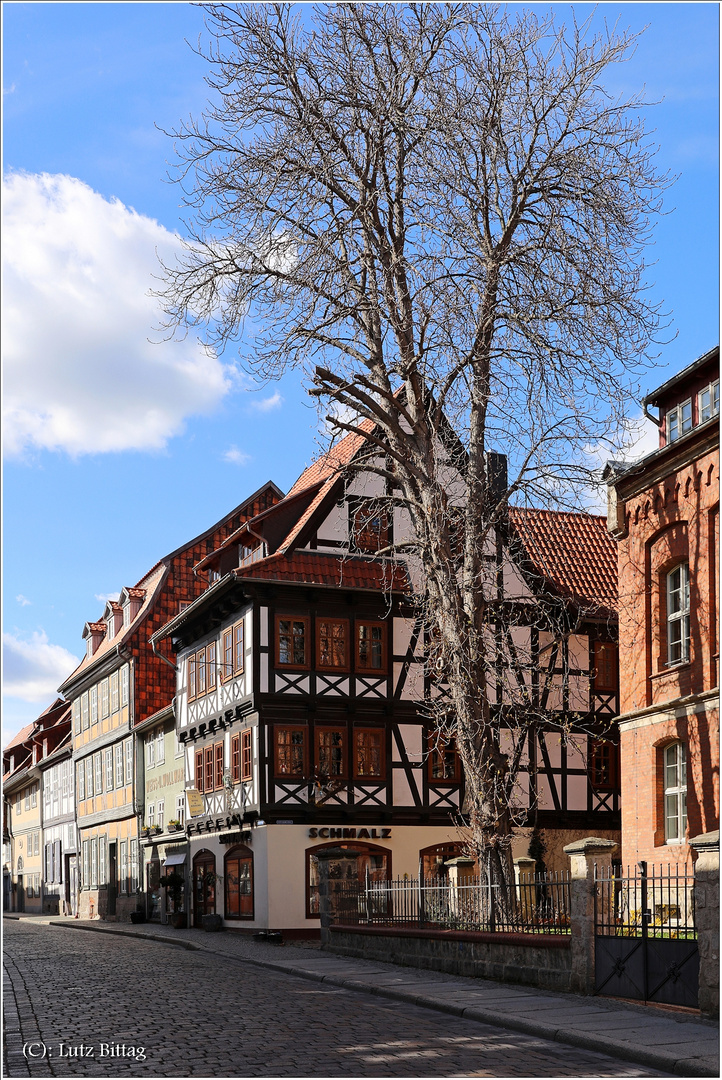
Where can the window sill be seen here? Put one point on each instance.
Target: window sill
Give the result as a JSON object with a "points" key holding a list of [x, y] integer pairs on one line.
{"points": [[670, 669]]}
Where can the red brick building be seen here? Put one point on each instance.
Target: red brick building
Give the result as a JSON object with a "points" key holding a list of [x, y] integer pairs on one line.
{"points": [[664, 512]]}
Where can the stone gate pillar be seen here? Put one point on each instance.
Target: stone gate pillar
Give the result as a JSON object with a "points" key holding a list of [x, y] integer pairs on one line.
{"points": [[584, 855], [706, 918]]}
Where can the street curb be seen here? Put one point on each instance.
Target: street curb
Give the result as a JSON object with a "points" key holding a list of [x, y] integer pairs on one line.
{"points": [[581, 1040]]}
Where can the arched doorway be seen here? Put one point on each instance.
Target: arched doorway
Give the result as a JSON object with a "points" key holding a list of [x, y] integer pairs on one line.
{"points": [[372, 858], [238, 872], [204, 885], [433, 859]]}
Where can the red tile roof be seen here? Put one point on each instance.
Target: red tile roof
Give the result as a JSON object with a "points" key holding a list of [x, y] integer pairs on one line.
{"points": [[574, 552], [21, 736], [314, 568], [331, 463]]}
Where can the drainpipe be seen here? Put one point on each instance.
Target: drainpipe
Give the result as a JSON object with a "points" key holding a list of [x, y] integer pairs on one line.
{"points": [[171, 665], [655, 419]]}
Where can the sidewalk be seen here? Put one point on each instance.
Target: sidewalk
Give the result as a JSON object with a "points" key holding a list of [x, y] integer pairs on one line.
{"points": [[674, 1042]]}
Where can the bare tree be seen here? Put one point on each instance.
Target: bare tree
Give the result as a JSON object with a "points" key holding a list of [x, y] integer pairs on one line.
{"points": [[439, 213]]}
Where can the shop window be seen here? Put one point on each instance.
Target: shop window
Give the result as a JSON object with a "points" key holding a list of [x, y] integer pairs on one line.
{"points": [[332, 644], [444, 763], [678, 614], [367, 861], [290, 757], [606, 667], [292, 642], [370, 646], [603, 765], [204, 886], [369, 753], [434, 858], [239, 883], [331, 751], [675, 793], [370, 527]]}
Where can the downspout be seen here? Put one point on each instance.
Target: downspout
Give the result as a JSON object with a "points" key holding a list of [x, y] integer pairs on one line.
{"points": [[655, 419]]}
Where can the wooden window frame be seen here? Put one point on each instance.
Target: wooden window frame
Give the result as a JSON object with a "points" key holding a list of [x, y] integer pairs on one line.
{"points": [[369, 777], [236, 758], [192, 678], [598, 746], [370, 623], [218, 763], [277, 729], [209, 767], [246, 754], [201, 672], [306, 620], [333, 620], [227, 654], [240, 852], [437, 748], [199, 770], [340, 729], [211, 667], [372, 508], [600, 685], [239, 645]]}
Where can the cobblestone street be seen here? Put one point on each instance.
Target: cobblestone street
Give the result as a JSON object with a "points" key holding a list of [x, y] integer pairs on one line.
{"points": [[201, 1014]]}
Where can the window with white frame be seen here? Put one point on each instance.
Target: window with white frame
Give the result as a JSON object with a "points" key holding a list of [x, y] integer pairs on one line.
{"points": [[76, 716], [150, 751], [675, 792], [84, 710], [109, 769], [678, 614], [89, 777], [123, 867], [134, 881], [118, 765], [86, 865], [114, 693], [94, 704], [34, 795], [81, 781], [94, 863], [103, 861], [160, 746], [124, 684], [708, 402], [679, 420], [160, 813], [104, 698], [150, 816], [129, 761], [98, 766], [180, 808]]}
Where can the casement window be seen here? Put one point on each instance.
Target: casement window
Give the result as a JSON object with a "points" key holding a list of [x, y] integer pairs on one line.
{"points": [[114, 692], [27, 798], [86, 864], [200, 672], [94, 863], [708, 402], [124, 685], [48, 862], [218, 759], [369, 752], [233, 651], [150, 751], [210, 667], [292, 642], [370, 527], [208, 775], [290, 747], [160, 747], [104, 699], [200, 786], [236, 758], [103, 861], [180, 808], [238, 873], [370, 646], [81, 781], [332, 644], [98, 770], [57, 862], [246, 755], [84, 710], [18, 803], [238, 650], [94, 704], [89, 777], [192, 677], [331, 751], [129, 760], [160, 813], [606, 666], [123, 868], [679, 420], [109, 769], [678, 614], [36, 843], [227, 658], [34, 795], [76, 716], [603, 765], [134, 877], [150, 815], [118, 765], [675, 792], [444, 762]]}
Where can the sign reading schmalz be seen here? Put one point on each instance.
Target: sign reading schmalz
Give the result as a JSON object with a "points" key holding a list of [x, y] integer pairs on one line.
{"points": [[349, 834]]}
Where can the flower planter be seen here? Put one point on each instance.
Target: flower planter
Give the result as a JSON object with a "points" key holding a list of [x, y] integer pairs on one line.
{"points": [[177, 919], [212, 923]]}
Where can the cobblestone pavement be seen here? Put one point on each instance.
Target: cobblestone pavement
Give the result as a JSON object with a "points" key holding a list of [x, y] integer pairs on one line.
{"points": [[197, 1013]]}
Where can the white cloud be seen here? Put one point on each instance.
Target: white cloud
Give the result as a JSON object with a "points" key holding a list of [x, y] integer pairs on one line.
{"points": [[268, 404], [234, 456], [33, 668], [105, 597], [81, 375], [23, 600]]}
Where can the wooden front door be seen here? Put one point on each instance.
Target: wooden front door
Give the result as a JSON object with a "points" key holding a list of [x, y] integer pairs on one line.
{"points": [[204, 886]]}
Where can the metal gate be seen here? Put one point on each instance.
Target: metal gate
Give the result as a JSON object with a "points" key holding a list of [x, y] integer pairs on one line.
{"points": [[645, 938]]}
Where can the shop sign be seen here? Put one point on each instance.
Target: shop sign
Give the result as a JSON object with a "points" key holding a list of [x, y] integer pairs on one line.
{"points": [[349, 834], [196, 804]]}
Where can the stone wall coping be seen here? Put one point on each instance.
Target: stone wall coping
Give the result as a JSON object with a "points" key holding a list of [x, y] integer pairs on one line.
{"points": [[590, 845], [705, 841], [544, 941]]}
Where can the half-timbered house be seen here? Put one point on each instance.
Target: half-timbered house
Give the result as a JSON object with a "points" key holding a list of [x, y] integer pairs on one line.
{"points": [[300, 675]]}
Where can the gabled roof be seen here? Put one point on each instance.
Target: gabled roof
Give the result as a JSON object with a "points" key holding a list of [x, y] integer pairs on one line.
{"points": [[336, 571], [573, 552], [330, 464], [22, 736], [654, 396]]}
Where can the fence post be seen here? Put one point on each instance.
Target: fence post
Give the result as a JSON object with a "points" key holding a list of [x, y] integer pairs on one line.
{"points": [[584, 854], [706, 919], [524, 871]]}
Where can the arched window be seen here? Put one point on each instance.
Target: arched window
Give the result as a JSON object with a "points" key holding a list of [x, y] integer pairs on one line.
{"points": [[678, 614], [239, 883], [372, 858], [433, 858], [675, 792], [204, 885]]}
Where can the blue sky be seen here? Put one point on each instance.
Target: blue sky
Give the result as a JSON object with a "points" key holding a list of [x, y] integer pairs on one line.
{"points": [[119, 447]]}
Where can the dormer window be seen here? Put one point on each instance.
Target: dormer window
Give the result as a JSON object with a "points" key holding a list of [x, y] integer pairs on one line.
{"points": [[130, 602], [93, 633], [248, 555], [679, 420], [113, 618], [708, 402]]}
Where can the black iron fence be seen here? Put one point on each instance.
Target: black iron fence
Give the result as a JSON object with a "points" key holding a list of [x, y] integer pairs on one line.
{"points": [[539, 905]]}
